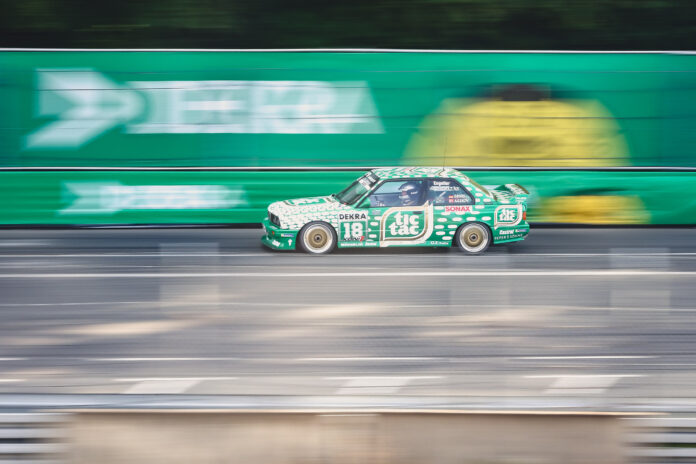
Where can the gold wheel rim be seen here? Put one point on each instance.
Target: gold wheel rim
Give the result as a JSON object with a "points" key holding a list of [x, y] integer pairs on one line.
{"points": [[473, 237], [317, 238]]}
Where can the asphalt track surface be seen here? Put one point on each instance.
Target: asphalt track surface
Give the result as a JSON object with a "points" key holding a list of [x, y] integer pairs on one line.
{"points": [[600, 315]]}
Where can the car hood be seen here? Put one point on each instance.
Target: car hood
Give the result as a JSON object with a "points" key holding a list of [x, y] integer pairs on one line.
{"points": [[295, 213]]}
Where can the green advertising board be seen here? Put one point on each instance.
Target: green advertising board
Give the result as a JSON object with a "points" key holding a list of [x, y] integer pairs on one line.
{"points": [[96, 137]]}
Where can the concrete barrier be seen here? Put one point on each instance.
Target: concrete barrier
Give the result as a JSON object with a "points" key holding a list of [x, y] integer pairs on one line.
{"points": [[343, 437]]}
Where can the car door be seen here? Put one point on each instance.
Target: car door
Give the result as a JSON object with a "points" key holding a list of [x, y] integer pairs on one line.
{"points": [[452, 205], [398, 218]]}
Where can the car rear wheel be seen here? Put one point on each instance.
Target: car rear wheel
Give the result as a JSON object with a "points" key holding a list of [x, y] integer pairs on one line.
{"points": [[317, 238], [473, 238]]}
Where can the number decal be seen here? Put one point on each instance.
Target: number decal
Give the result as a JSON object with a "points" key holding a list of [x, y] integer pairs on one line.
{"points": [[353, 231]]}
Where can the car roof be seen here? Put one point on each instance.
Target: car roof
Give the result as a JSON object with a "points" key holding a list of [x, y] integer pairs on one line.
{"points": [[408, 172]]}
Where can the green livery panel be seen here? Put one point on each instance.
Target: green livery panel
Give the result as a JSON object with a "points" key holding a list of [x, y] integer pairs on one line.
{"points": [[594, 132]]}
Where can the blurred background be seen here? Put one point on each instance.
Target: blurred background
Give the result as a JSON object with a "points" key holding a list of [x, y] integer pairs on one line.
{"points": [[125, 315]]}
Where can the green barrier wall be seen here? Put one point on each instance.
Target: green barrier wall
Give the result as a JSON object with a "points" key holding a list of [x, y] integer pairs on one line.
{"points": [[161, 110], [108, 197]]}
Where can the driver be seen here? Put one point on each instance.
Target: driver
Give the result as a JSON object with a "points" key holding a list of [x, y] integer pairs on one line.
{"points": [[411, 193]]}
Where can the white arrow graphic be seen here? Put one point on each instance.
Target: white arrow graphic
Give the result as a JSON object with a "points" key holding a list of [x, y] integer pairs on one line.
{"points": [[96, 104], [112, 197]]}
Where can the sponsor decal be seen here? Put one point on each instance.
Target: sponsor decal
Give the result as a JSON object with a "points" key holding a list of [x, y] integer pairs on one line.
{"points": [[443, 186], [351, 244], [353, 231], [359, 216], [306, 201], [458, 198], [112, 197], [286, 235], [507, 215], [402, 226], [72, 97], [459, 209]]}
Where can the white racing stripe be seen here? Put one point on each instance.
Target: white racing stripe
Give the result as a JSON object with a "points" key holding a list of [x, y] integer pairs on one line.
{"points": [[521, 273]]}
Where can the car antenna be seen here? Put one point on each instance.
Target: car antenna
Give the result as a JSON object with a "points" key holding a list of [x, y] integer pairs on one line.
{"points": [[444, 153]]}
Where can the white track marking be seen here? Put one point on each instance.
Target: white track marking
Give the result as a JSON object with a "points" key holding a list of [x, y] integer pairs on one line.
{"points": [[548, 273], [299, 256], [20, 243], [170, 379], [11, 380], [165, 385], [367, 358], [376, 385], [158, 359], [138, 255], [584, 357], [89, 303], [582, 384]]}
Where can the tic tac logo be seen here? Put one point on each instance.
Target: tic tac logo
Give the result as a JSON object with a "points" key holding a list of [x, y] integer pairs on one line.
{"points": [[404, 224], [508, 215]]}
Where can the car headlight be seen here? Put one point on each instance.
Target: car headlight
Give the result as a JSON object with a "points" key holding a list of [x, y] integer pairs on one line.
{"points": [[274, 219]]}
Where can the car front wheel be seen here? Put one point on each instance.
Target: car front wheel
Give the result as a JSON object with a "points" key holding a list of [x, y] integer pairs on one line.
{"points": [[317, 238], [473, 238]]}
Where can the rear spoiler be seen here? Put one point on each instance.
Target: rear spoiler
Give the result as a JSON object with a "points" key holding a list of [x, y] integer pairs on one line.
{"points": [[515, 191]]}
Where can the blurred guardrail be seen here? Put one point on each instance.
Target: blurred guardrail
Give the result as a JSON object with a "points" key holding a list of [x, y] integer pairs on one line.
{"points": [[32, 438], [340, 436], [662, 440]]}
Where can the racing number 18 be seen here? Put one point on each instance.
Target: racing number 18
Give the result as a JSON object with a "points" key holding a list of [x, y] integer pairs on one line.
{"points": [[353, 230]]}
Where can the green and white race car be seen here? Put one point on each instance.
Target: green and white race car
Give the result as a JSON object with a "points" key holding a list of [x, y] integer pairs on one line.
{"points": [[422, 206]]}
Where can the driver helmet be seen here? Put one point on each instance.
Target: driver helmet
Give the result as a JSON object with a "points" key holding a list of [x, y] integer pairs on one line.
{"points": [[410, 193]]}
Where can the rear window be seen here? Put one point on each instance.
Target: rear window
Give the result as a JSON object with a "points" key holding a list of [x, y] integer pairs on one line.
{"points": [[479, 186]]}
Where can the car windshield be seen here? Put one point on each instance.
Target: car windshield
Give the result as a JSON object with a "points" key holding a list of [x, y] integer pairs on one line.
{"points": [[357, 189]]}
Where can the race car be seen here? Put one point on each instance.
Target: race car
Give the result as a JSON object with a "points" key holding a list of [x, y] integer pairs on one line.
{"points": [[405, 206]]}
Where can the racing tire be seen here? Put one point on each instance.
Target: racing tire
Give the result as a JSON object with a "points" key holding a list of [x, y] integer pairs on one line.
{"points": [[473, 238], [317, 238]]}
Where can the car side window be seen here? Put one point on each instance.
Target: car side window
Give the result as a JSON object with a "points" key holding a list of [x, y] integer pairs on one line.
{"points": [[444, 192], [405, 192]]}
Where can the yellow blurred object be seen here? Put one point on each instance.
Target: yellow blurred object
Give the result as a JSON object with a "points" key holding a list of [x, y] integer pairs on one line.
{"points": [[593, 209], [553, 133]]}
